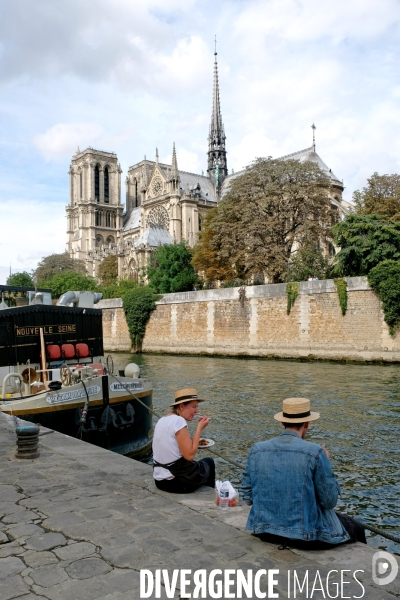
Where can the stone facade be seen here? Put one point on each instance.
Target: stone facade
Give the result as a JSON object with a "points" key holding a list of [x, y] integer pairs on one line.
{"points": [[163, 205], [216, 322]]}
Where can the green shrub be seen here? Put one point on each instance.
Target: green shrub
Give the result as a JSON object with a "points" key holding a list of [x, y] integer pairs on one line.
{"points": [[341, 287], [118, 289], [292, 291], [138, 304], [66, 281], [384, 279]]}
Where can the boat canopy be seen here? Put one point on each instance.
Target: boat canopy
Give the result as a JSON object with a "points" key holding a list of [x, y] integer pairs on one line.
{"points": [[20, 331]]}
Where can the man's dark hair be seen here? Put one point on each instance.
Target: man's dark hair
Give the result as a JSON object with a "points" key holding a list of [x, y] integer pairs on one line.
{"points": [[293, 425]]}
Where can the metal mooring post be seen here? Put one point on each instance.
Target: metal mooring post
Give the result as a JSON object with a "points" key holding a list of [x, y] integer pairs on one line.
{"points": [[27, 441]]}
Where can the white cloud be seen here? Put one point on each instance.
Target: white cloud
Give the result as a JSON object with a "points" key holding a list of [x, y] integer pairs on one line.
{"points": [[61, 140], [31, 230]]}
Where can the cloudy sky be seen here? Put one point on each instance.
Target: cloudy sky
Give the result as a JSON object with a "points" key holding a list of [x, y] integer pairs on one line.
{"points": [[129, 75]]}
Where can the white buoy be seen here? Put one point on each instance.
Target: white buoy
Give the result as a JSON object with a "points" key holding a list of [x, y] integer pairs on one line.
{"points": [[132, 370]]}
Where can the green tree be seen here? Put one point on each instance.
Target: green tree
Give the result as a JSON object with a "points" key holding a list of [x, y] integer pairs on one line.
{"points": [[381, 196], [171, 269], [108, 270], [138, 305], [207, 256], [308, 262], [365, 241], [266, 210], [118, 289], [384, 279], [69, 281], [57, 263], [22, 279]]}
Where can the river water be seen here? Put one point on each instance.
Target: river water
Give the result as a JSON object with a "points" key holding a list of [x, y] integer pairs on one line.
{"points": [[359, 424]]}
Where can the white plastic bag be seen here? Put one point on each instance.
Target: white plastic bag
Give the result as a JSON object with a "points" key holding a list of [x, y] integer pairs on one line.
{"points": [[233, 494]]}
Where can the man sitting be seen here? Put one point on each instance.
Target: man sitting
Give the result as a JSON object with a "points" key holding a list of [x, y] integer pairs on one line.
{"points": [[292, 488]]}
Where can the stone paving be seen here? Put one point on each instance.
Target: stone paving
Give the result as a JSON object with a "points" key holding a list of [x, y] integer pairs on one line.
{"points": [[79, 523]]}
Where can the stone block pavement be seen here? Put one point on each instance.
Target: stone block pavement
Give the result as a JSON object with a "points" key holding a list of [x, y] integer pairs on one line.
{"points": [[80, 522]]}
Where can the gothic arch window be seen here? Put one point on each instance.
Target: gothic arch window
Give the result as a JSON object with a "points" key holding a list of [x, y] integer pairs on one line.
{"points": [[99, 241], [80, 185], [199, 223], [97, 183], [135, 183], [106, 186], [158, 216], [97, 218], [108, 219], [110, 239], [113, 221]]}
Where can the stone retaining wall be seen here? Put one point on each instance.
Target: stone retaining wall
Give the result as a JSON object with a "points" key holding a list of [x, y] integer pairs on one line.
{"points": [[216, 322]]}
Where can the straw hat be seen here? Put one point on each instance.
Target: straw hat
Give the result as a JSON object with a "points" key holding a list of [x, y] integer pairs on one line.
{"points": [[186, 395], [296, 410]]}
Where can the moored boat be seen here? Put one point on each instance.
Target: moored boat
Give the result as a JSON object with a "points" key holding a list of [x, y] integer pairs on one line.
{"points": [[53, 372]]}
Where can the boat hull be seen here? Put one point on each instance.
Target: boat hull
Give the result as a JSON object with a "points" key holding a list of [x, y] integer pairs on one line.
{"points": [[120, 423]]}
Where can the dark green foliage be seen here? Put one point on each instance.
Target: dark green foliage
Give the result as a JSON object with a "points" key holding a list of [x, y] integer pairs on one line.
{"points": [[108, 270], [365, 241], [118, 289], [171, 269], [22, 279], [341, 287], [384, 279], [308, 262], [236, 282], [292, 291], [57, 263], [69, 281], [138, 305]]}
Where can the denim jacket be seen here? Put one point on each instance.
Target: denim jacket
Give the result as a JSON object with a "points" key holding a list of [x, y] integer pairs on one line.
{"points": [[293, 490]]}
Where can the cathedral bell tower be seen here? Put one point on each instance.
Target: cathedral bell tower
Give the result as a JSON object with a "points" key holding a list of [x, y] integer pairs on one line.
{"points": [[217, 168]]}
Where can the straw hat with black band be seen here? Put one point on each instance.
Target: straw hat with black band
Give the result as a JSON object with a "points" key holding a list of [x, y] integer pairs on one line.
{"points": [[296, 410], [186, 395]]}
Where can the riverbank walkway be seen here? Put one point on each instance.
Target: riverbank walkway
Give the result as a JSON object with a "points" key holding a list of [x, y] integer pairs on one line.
{"points": [[79, 523]]}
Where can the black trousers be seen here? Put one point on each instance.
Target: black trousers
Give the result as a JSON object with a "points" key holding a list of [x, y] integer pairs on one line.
{"points": [[354, 529], [180, 486]]}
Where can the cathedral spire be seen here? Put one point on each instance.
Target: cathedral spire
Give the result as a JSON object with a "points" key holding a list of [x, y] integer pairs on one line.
{"points": [[174, 170], [217, 164], [174, 173], [313, 135]]}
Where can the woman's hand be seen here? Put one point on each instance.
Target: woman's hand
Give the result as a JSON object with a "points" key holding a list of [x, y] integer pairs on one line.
{"points": [[203, 422], [187, 445]]}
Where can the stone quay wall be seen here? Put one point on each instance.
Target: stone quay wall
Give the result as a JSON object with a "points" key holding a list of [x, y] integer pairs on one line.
{"points": [[217, 322]]}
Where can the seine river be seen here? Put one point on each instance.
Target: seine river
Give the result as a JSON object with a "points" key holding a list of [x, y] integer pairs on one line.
{"points": [[359, 424]]}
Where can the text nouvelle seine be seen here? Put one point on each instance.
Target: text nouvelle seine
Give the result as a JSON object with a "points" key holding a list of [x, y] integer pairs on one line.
{"points": [[232, 583]]}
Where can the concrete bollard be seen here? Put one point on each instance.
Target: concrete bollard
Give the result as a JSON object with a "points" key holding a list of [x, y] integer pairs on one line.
{"points": [[27, 441]]}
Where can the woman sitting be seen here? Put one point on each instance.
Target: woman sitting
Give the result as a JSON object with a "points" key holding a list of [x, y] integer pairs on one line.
{"points": [[174, 450]]}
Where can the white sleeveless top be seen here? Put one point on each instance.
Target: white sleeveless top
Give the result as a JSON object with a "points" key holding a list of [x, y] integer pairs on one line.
{"points": [[165, 445]]}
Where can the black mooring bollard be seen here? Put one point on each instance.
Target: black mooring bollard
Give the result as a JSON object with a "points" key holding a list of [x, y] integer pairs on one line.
{"points": [[27, 441]]}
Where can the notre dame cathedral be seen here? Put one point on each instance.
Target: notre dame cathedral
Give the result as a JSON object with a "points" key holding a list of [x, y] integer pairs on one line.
{"points": [[163, 204]]}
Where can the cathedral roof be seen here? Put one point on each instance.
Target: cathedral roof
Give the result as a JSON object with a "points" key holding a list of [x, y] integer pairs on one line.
{"points": [[207, 189], [154, 236], [301, 156], [134, 219], [310, 154]]}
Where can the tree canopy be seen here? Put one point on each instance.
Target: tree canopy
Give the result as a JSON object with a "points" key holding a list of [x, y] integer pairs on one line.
{"points": [[22, 279], [171, 270], [272, 205], [108, 270], [384, 279], [365, 241], [69, 280], [381, 196], [57, 263], [308, 262], [206, 254]]}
